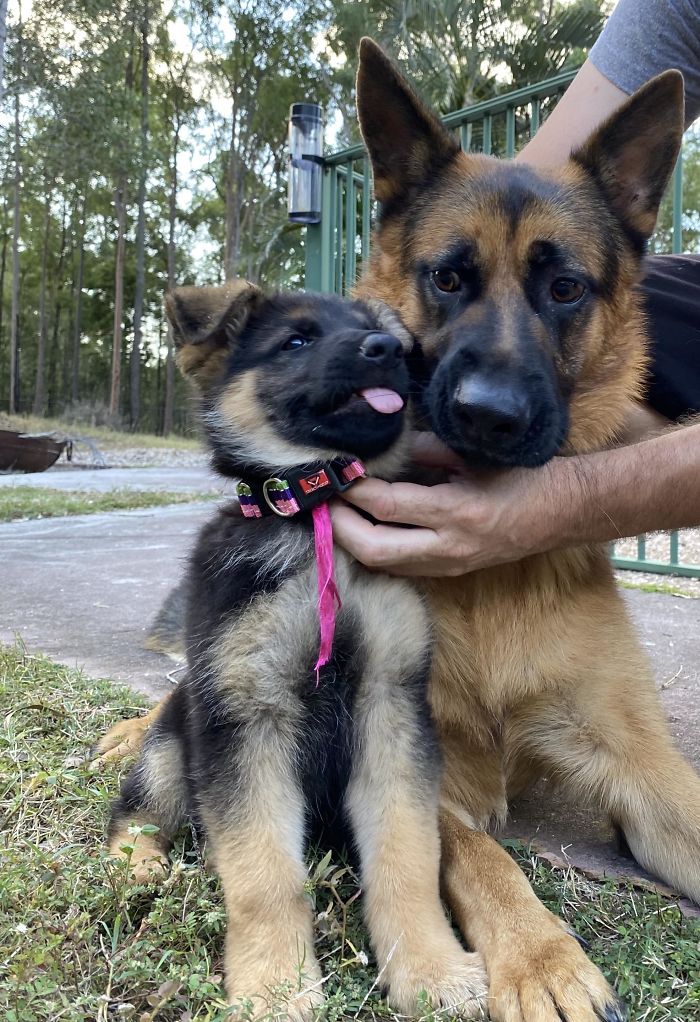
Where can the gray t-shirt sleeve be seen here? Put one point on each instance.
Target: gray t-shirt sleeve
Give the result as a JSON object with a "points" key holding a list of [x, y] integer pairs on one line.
{"points": [[644, 37]]}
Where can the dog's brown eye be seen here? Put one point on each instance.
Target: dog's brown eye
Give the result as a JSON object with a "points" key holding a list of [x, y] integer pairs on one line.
{"points": [[567, 291], [448, 281], [293, 343]]}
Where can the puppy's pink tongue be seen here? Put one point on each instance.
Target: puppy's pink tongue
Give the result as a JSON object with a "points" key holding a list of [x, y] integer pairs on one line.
{"points": [[382, 400]]}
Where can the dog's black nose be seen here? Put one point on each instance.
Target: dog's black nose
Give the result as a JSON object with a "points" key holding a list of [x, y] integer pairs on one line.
{"points": [[492, 410], [382, 349]]}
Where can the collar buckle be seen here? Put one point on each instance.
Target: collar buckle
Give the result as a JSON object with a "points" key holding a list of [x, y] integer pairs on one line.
{"points": [[282, 500]]}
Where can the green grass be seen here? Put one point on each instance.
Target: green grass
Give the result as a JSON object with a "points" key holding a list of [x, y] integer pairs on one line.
{"points": [[102, 435], [658, 587], [22, 502], [80, 942]]}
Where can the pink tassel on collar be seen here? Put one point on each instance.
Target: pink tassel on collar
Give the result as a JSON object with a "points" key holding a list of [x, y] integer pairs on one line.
{"points": [[328, 597]]}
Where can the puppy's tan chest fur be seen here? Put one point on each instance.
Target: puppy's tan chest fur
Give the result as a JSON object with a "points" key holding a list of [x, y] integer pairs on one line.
{"points": [[266, 651]]}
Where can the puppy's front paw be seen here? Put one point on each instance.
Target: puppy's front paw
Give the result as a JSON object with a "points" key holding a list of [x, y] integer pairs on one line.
{"points": [[279, 1003], [268, 986], [453, 983], [122, 741], [547, 975], [148, 862]]}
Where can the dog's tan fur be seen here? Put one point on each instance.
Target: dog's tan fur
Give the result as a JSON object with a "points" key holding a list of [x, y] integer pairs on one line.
{"points": [[269, 932], [269, 955], [254, 809], [125, 738], [537, 668]]}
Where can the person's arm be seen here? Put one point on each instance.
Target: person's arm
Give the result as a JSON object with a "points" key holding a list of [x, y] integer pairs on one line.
{"points": [[588, 101], [468, 524], [641, 38]]}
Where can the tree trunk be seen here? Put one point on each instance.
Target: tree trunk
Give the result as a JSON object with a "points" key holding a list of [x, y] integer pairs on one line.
{"points": [[3, 37], [120, 207], [77, 326], [14, 325], [140, 232], [3, 268], [67, 343], [54, 346], [52, 404], [172, 219], [232, 204], [40, 384], [120, 200], [159, 373]]}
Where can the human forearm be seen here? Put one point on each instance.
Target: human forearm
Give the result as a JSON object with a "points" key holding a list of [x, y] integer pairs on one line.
{"points": [[641, 39], [477, 522], [588, 101], [627, 491]]}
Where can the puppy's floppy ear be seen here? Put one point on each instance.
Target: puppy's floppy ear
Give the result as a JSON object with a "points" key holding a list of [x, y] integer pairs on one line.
{"points": [[206, 322], [406, 142], [633, 153]]}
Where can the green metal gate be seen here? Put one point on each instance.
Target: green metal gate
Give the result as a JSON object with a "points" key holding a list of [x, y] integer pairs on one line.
{"points": [[338, 246]]}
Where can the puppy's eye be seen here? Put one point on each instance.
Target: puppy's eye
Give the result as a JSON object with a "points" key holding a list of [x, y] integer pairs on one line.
{"points": [[446, 280], [294, 343], [567, 291]]}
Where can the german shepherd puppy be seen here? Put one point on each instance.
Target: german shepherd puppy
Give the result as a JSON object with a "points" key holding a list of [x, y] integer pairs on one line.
{"points": [[254, 745], [520, 287]]}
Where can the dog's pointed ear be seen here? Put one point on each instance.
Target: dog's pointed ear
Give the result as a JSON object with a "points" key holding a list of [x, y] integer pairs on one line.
{"points": [[206, 323], [405, 140], [633, 153]]}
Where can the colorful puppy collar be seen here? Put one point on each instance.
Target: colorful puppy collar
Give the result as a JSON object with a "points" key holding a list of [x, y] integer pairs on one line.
{"points": [[301, 489], [308, 489]]}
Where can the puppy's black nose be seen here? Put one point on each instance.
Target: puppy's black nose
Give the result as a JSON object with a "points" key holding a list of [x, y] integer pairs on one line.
{"points": [[382, 349], [492, 411]]}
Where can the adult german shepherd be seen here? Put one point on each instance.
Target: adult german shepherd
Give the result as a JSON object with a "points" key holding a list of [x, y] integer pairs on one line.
{"points": [[520, 287]]}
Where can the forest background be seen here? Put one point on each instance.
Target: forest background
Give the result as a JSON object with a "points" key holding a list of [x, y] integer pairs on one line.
{"points": [[143, 145]]}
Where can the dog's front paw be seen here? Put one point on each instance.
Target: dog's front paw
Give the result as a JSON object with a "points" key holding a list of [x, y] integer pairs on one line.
{"points": [[122, 741], [267, 987], [547, 976], [453, 984], [147, 860], [280, 1003]]}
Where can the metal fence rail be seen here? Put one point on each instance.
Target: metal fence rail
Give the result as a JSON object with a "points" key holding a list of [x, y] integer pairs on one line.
{"points": [[338, 247], [673, 566]]}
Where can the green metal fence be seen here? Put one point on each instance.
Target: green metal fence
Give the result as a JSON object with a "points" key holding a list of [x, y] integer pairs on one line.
{"points": [[338, 246]]}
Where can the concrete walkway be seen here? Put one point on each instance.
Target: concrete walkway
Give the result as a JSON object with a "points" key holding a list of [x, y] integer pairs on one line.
{"points": [[102, 480], [84, 590]]}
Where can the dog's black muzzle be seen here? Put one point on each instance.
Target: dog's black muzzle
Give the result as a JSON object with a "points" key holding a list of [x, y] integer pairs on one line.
{"points": [[496, 417], [335, 407], [360, 359]]}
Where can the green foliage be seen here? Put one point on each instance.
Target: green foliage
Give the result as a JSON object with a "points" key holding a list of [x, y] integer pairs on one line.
{"points": [[80, 941], [663, 238], [265, 66], [221, 78], [459, 54], [78, 111]]}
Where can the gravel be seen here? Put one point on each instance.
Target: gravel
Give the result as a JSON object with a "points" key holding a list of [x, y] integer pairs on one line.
{"points": [[137, 457]]}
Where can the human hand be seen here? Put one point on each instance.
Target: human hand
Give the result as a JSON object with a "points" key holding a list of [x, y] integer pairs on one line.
{"points": [[475, 520]]}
